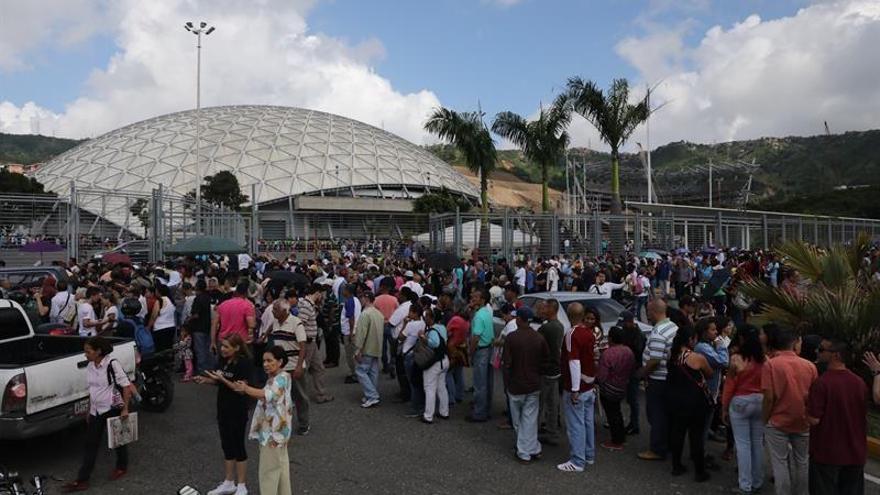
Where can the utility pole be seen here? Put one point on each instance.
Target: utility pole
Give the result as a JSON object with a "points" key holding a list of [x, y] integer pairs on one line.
{"points": [[648, 144], [203, 28], [710, 182]]}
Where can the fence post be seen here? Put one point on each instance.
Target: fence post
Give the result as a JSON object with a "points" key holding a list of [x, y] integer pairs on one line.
{"points": [[291, 227], [554, 234], [506, 237], [637, 233], [456, 232], [255, 227], [73, 224], [597, 233], [800, 228]]}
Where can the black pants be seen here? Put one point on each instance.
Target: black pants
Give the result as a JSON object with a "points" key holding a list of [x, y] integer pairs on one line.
{"points": [[826, 479], [331, 340], [233, 430], [163, 338], [260, 376], [615, 419], [691, 422], [95, 429], [402, 379], [681, 290]]}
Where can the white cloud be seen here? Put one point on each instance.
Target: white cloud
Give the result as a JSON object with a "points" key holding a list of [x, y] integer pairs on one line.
{"points": [[261, 53], [765, 77]]}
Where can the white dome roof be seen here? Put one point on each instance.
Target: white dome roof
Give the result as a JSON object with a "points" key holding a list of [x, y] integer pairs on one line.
{"points": [[284, 151]]}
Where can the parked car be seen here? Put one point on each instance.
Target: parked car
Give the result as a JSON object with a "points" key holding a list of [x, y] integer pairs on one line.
{"points": [[33, 275], [609, 309], [43, 387]]}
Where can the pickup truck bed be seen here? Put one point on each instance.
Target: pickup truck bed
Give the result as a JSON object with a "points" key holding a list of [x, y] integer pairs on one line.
{"points": [[39, 349]]}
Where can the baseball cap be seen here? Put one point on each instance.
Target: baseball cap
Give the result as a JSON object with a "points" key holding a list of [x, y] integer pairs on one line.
{"points": [[524, 313], [409, 274], [627, 316]]}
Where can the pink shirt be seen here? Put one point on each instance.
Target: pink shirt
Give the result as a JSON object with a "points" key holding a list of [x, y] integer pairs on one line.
{"points": [[233, 314], [101, 390]]}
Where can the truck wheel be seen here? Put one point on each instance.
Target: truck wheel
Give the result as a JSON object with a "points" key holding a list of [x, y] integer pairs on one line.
{"points": [[158, 393]]}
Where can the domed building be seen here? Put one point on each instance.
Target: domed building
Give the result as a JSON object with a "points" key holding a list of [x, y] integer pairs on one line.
{"points": [[286, 160]]}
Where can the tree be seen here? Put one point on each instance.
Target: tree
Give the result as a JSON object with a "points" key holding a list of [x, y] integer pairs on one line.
{"points": [[17, 183], [840, 300], [141, 210], [614, 117], [441, 201], [466, 131], [542, 140], [221, 189]]}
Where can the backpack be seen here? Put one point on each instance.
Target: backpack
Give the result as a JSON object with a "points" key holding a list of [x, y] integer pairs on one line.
{"points": [[424, 356], [142, 337]]}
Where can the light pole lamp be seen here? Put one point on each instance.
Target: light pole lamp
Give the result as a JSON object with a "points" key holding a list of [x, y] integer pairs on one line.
{"points": [[202, 28]]}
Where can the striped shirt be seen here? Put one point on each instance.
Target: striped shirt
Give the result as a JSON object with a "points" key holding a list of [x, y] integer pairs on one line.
{"points": [[309, 316], [659, 346]]}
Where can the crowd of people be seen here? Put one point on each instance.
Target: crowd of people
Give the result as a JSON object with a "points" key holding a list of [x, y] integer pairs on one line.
{"points": [[267, 329]]}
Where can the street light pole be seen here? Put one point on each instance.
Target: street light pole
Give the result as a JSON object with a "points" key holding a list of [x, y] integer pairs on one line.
{"points": [[203, 28]]}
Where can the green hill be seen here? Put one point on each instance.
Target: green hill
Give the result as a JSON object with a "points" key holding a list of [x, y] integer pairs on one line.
{"points": [[31, 148]]}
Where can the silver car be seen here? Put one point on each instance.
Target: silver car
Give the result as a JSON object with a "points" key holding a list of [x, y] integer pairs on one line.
{"points": [[609, 310]]}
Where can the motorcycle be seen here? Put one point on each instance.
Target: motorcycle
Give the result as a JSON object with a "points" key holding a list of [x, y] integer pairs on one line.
{"points": [[153, 381]]}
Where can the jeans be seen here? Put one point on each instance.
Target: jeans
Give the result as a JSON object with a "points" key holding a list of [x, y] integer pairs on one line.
{"points": [[748, 434], [95, 429], [435, 389], [641, 302], [202, 349], [524, 417], [455, 384], [579, 420], [658, 418], [615, 420], [550, 407], [414, 375], [632, 398], [840, 480], [790, 467], [482, 383], [367, 372], [387, 356]]}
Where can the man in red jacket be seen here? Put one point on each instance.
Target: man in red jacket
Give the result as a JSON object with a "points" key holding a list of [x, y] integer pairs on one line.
{"points": [[578, 399]]}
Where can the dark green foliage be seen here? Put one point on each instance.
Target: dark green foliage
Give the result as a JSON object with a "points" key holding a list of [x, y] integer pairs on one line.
{"points": [[31, 148], [221, 189], [17, 183], [441, 201]]}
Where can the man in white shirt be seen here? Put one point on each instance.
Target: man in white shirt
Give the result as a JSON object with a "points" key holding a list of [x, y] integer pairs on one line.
{"points": [[396, 322], [552, 277], [602, 287], [289, 333], [62, 305], [88, 321], [520, 277], [413, 286]]}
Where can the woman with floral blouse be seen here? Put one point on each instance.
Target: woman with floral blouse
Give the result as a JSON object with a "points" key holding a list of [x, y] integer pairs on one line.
{"points": [[271, 424]]}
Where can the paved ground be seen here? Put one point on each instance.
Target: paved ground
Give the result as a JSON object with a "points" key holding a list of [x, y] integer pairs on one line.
{"points": [[351, 450]]}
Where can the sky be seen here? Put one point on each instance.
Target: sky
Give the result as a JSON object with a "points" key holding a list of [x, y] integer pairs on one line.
{"points": [[722, 70]]}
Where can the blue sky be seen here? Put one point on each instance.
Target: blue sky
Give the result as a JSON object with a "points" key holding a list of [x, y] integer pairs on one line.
{"points": [[80, 68]]}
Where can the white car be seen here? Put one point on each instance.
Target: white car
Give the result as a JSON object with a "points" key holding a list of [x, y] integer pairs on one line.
{"points": [[609, 309]]}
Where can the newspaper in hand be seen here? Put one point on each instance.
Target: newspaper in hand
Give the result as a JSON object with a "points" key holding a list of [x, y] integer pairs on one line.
{"points": [[122, 431]]}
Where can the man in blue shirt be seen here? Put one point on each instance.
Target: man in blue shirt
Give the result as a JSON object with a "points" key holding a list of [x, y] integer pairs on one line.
{"points": [[482, 336]]}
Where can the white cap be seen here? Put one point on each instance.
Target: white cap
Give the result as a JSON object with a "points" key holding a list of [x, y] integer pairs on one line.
{"points": [[409, 274]]}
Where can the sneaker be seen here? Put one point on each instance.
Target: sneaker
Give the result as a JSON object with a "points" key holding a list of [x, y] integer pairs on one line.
{"points": [[370, 403], [241, 489], [304, 431], [117, 473], [225, 488], [614, 447], [427, 421], [568, 467]]}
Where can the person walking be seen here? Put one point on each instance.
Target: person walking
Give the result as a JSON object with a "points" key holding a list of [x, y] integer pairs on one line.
{"points": [[369, 338], [482, 336], [553, 332], [837, 410], [288, 332], [522, 362], [741, 407], [655, 357], [785, 383], [109, 397], [616, 366], [232, 411], [314, 355], [578, 370], [688, 402], [270, 425], [434, 378]]}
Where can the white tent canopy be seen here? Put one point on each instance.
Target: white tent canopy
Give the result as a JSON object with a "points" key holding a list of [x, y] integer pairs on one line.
{"points": [[470, 236]]}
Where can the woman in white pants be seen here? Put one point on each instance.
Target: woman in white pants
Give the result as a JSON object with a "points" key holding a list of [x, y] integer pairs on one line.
{"points": [[434, 377]]}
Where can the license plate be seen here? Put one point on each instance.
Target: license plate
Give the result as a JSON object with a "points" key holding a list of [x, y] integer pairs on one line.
{"points": [[81, 407]]}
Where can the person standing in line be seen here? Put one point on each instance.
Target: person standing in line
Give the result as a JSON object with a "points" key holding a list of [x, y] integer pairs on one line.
{"points": [[523, 360], [368, 349], [457, 328], [434, 378], [234, 315], [109, 397], [413, 325], [713, 346], [397, 321], [348, 317], [88, 319], [288, 332], [162, 319], [386, 304], [616, 366], [741, 407], [578, 369], [232, 412], [785, 383], [553, 332], [655, 357], [314, 355], [634, 339], [200, 325], [270, 425], [837, 409], [482, 336]]}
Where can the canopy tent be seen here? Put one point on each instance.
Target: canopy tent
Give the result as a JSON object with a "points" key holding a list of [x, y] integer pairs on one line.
{"points": [[470, 236]]}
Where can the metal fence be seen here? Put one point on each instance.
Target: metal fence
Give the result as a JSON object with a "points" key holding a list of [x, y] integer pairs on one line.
{"points": [[666, 227]]}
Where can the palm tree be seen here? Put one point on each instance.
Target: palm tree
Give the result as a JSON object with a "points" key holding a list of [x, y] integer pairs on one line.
{"points": [[542, 140], [466, 131], [840, 300], [613, 116]]}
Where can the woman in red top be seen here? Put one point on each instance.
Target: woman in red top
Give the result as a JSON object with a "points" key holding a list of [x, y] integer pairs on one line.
{"points": [[458, 330], [741, 407]]}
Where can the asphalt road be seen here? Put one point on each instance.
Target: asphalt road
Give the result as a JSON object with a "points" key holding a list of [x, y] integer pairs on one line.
{"points": [[351, 450]]}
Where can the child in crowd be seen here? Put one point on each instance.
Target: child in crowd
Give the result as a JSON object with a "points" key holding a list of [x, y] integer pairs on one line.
{"points": [[183, 348]]}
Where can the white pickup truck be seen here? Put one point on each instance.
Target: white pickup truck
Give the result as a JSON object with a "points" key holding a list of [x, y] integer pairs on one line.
{"points": [[43, 386]]}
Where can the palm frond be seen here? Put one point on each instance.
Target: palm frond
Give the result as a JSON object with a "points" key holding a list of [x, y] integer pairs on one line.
{"points": [[803, 258]]}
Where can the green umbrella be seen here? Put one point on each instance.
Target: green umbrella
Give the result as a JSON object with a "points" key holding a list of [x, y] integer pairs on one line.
{"points": [[205, 245]]}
